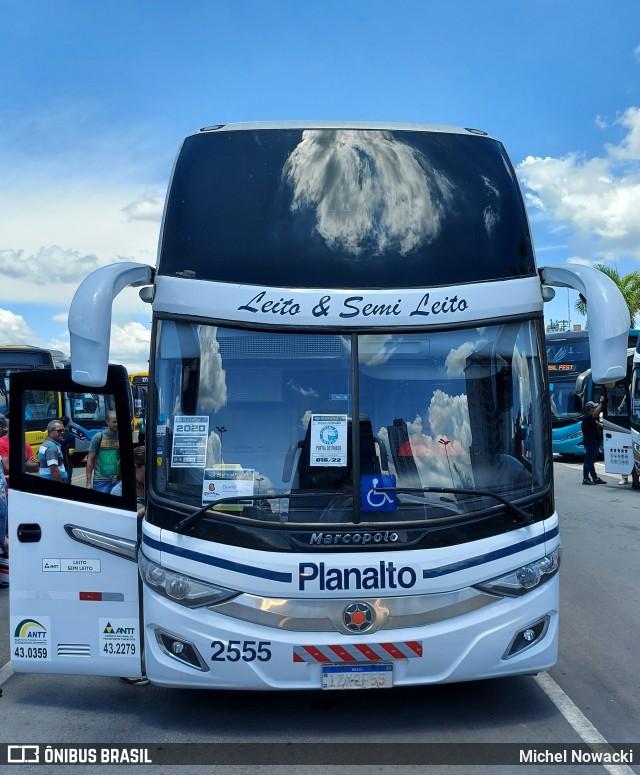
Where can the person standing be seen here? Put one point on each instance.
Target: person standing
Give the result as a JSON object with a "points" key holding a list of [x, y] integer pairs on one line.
{"points": [[104, 457], [31, 465], [138, 461], [68, 444], [3, 513], [31, 461], [50, 454], [591, 440]]}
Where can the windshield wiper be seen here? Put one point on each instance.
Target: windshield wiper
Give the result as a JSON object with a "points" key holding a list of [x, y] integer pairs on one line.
{"points": [[522, 515], [245, 499], [186, 523]]}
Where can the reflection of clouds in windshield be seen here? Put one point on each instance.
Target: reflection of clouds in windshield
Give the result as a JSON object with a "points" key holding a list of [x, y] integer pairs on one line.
{"points": [[449, 418], [376, 349], [457, 358], [368, 190], [491, 219], [305, 419], [439, 464], [521, 373], [212, 394], [304, 392], [491, 215], [214, 450]]}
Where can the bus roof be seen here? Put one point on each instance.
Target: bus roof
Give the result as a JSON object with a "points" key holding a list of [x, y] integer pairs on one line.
{"points": [[565, 335], [375, 125], [24, 356]]}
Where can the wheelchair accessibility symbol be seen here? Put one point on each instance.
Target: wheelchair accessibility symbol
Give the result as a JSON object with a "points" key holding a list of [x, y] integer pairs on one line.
{"points": [[371, 497]]}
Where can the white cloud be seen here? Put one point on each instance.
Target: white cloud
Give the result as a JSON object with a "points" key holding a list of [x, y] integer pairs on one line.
{"points": [[599, 197], [636, 53], [59, 231], [129, 345], [629, 148], [49, 265], [51, 236], [14, 329], [148, 208]]}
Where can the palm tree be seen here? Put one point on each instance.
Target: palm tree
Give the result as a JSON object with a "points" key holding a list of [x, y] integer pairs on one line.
{"points": [[629, 287]]}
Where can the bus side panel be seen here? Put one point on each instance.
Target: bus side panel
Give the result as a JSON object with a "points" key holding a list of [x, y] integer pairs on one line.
{"points": [[74, 608]]}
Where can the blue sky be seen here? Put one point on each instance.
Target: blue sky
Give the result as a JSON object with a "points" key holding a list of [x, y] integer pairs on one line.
{"points": [[96, 97]]}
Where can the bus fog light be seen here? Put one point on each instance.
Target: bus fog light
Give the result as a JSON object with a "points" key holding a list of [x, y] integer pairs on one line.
{"points": [[181, 650], [527, 637]]}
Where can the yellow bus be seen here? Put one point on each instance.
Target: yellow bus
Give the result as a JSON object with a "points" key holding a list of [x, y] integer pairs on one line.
{"points": [[139, 382], [40, 405]]}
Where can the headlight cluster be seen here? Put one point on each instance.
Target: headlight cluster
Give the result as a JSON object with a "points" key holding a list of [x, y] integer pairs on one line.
{"points": [[182, 589], [524, 579]]}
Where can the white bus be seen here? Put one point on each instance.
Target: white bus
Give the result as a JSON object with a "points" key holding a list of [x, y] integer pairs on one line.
{"points": [[349, 468], [634, 414]]}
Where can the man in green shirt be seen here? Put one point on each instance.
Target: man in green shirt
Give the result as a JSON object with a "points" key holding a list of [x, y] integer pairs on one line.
{"points": [[104, 457]]}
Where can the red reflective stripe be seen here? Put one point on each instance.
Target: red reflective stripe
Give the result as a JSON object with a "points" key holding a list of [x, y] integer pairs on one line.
{"points": [[363, 648], [395, 653], [297, 657], [415, 646], [91, 596], [343, 653], [316, 654]]}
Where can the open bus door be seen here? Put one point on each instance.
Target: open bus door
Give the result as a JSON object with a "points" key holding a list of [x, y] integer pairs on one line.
{"points": [[616, 428], [74, 592]]}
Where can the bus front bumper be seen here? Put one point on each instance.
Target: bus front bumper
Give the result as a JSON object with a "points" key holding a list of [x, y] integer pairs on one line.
{"points": [[200, 648]]}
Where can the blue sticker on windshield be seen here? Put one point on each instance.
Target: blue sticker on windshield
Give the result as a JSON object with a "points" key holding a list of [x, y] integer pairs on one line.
{"points": [[374, 499]]}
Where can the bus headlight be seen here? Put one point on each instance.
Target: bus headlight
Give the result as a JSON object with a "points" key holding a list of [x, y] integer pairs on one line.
{"points": [[180, 588], [524, 579]]}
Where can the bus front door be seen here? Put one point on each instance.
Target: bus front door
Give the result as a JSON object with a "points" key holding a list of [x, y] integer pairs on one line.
{"points": [[74, 589]]}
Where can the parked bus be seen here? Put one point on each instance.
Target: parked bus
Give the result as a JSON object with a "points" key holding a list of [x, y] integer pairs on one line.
{"points": [[635, 408], [349, 468], [40, 406], [571, 385], [617, 441], [139, 387], [87, 411]]}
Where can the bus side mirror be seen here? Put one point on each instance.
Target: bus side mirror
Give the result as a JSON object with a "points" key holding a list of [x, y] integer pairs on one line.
{"points": [[607, 317]]}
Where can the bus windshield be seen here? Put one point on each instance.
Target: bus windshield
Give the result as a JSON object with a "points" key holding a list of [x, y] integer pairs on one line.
{"points": [[327, 208], [88, 410], [567, 358], [257, 414]]}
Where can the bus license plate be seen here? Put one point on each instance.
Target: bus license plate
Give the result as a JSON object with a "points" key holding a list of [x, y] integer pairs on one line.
{"points": [[357, 676]]}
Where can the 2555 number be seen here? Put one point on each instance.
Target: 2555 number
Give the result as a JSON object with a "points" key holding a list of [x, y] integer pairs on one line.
{"points": [[245, 650]]}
